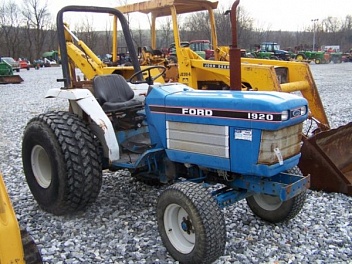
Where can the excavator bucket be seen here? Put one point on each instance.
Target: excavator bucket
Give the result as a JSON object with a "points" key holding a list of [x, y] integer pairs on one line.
{"points": [[5, 79], [327, 157]]}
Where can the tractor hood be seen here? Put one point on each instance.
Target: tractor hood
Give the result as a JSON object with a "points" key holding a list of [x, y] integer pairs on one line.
{"points": [[217, 127], [273, 110]]}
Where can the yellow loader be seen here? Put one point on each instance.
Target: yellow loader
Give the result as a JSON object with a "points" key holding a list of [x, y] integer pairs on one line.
{"points": [[325, 152], [16, 245]]}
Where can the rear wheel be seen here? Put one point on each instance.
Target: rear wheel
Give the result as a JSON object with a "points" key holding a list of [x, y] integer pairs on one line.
{"points": [[272, 209], [191, 224], [61, 162]]}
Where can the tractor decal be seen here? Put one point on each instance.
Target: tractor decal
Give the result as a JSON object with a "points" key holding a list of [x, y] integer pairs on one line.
{"points": [[216, 66], [217, 113]]}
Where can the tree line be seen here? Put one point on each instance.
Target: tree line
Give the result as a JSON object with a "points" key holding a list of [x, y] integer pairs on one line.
{"points": [[28, 30]]}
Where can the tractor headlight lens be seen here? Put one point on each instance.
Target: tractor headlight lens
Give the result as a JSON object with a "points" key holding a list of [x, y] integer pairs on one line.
{"points": [[303, 110], [284, 115]]}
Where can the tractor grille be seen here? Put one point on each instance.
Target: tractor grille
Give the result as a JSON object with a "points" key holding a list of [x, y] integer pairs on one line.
{"points": [[198, 138], [286, 140]]}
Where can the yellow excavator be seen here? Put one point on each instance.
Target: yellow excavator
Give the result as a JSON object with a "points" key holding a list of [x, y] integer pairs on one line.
{"points": [[257, 75], [16, 245], [326, 152]]}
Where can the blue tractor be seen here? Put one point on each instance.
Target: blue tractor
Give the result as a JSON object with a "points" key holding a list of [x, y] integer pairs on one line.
{"points": [[213, 148]]}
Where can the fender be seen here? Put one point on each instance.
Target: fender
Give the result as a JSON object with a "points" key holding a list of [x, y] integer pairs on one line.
{"points": [[83, 100]]}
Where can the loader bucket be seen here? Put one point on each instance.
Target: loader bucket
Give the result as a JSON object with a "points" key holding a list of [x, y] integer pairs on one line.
{"points": [[5, 79], [327, 157]]}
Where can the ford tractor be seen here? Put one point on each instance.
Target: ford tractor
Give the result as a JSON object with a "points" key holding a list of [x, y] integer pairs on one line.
{"points": [[211, 148]]}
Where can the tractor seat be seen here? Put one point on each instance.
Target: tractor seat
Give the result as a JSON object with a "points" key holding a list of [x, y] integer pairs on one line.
{"points": [[148, 49], [114, 94]]}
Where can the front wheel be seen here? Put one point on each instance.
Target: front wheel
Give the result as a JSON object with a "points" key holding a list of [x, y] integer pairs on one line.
{"points": [[272, 209], [191, 224], [61, 162], [300, 57]]}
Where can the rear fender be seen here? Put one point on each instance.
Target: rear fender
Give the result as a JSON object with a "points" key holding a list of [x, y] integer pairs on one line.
{"points": [[83, 101]]}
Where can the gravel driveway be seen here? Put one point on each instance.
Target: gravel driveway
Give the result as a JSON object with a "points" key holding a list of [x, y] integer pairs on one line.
{"points": [[121, 226]]}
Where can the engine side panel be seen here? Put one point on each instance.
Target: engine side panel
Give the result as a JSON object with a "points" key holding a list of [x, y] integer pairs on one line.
{"points": [[242, 132]]}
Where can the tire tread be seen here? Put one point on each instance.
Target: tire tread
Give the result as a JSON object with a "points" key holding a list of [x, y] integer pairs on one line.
{"points": [[82, 162]]}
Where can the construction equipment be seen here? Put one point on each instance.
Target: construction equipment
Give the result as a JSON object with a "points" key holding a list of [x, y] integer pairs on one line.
{"points": [[256, 75], [274, 50], [172, 56], [319, 57], [334, 52], [16, 245], [191, 139], [6, 74], [81, 56], [151, 56], [14, 64], [223, 54], [336, 57], [203, 48]]}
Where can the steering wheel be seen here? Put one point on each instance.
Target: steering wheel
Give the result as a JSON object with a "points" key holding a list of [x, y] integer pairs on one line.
{"points": [[150, 79]]}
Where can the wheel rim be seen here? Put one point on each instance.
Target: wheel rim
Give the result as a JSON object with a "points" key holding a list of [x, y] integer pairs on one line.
{"points": [[179, 228], [268, 202], [299, 57], [41, 166]]}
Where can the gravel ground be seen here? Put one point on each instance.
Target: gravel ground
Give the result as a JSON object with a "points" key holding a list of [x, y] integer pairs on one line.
{"points": [[121, 226]]}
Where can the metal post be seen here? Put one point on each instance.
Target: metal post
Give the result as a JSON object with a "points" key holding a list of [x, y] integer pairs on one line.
{"points": [[314, 20]]}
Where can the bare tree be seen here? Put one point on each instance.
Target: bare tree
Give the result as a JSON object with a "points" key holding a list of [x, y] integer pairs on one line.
{"points": [[197, 26], [166, 34], [38, 22], [107, 39], [27, 31], [10, 30], [85, 32]]}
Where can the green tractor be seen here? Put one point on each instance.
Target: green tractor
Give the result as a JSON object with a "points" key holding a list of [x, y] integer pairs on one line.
{"points": [[263, 55], [319, 57], [336, 57]]}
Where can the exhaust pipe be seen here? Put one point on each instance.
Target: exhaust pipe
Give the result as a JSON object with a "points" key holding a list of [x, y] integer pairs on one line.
{"points": [[235, 52]]}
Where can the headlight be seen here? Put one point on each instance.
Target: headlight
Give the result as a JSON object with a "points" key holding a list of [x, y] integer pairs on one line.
{"points": [[287, 114], [284, 115]]}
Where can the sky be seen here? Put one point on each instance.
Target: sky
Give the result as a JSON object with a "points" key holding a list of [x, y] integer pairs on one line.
{"points": [[293, 15]]}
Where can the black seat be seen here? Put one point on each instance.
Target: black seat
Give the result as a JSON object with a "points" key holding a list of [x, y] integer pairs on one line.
{"points": [[148, 49], [114, 94], [154, 52], [157, 52]]}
